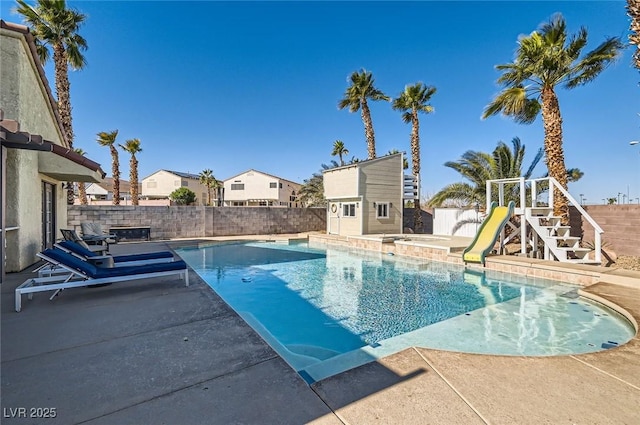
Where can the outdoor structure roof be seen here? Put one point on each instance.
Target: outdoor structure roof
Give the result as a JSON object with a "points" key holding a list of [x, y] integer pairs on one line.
{"points": [[264, 174], [177, 173], [107, 185], [55, 161]]}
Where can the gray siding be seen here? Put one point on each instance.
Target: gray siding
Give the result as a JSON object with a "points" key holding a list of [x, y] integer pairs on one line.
{"points": [[381, 182]]}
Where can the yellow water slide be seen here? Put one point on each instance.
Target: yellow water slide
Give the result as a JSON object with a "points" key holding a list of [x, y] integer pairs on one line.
{"points": [[488, 233]]}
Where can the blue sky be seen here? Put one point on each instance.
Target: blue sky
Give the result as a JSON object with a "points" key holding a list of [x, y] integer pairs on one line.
{"points": [[237, 85]]}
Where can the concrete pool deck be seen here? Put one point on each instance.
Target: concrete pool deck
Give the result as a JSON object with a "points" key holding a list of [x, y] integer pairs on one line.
{"points": [[158, 352]]}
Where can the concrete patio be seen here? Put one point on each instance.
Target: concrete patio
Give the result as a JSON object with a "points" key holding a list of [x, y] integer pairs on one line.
{"points": [[157, 352]]}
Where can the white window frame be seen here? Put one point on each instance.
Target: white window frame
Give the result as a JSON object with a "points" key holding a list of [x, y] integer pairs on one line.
{"points": [[385, 207], [348, 208]]}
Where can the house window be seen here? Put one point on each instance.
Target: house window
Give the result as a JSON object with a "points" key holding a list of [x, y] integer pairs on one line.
{"points": [[348, 210], [262, 203], [239, 186], [237, 204], [382, 210], [185, 183], [273, 185], [280, 185]]}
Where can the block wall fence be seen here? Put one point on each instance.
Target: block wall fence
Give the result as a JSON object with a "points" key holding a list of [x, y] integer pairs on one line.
{"points": [[199, 221], [621, 225]]}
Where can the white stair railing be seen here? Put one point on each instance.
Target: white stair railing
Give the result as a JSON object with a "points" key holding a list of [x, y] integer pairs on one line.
{"points": [[531, 198]]}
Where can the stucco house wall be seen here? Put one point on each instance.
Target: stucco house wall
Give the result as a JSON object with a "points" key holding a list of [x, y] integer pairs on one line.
{"points": [[24, 98], [253, 187], [161, 183]]}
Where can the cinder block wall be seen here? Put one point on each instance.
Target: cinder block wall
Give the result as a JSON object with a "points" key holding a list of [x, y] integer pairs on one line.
{"points": [[198, 221], [621, 225], [264, 220], [427, 220]]}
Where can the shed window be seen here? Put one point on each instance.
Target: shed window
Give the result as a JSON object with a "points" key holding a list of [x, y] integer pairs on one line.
{"points": [[237, 186], [273, 185], [382, 210], [348, 210]]}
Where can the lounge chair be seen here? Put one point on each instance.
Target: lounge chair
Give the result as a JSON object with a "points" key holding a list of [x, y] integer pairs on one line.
{"points": [[82, 273], [85, 254], [97, 246], [92, 231], [119, 260]]}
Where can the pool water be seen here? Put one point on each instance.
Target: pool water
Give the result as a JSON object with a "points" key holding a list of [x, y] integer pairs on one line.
{"points": [[325, 310]]}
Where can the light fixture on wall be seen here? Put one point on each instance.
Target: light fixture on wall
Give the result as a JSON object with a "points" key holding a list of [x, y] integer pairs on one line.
{"points": [[390, 204], [374, 205]]}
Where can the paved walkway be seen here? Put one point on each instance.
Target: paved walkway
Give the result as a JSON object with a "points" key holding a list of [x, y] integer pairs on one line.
{"points": [[157, 352]]}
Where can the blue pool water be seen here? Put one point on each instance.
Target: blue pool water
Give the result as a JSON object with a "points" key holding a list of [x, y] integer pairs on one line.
{"points": [[328, 309]]}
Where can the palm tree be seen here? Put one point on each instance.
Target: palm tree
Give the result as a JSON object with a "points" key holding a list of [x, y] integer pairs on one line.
{"points": [[478, 167], [339, 149], [109, 139], [355, 97], [544, 60], [311, 194], [207, 179], [53, 24], [133, 147], [405, 162], [82, 190], [412, 100], [633, 10]]}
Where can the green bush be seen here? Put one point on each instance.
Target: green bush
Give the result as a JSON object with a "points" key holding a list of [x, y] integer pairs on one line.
{"points": [[183, 196]]}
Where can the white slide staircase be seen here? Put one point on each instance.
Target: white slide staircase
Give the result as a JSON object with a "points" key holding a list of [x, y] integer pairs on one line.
{"points": [[557, 242], [556, 237]]}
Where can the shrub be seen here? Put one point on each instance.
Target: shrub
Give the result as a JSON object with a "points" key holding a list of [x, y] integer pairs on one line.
{"points": [[183, 196]]}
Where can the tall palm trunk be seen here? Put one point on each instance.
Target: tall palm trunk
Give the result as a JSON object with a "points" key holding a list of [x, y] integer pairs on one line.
{"points": [[62, 90], [633, 9], [64, 102], [209, 195], [368, 129], [133, 177], [553, 150], [82, 193], [115, 171], [415, 159]]}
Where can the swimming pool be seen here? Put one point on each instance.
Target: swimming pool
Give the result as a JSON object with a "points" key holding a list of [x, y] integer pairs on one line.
{"points": [[325, 310]]}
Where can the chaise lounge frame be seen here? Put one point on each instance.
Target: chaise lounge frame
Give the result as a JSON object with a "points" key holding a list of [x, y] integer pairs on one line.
{"points": [[77, 279]]}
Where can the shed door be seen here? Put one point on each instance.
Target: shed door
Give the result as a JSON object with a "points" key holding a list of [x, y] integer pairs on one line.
{"points": [[334, 219]]}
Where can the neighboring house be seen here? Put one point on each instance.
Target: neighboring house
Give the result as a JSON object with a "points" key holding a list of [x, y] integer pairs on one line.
{"points": [[35, 158], [103, 191], [160, 184], [365, 197], [257, 189]]}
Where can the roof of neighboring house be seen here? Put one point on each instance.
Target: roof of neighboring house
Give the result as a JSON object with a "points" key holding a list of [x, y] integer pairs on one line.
{"points": [[363, 162], [34, 54], [177, 173], [125, 186], [260, 172], [11, 137]]}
